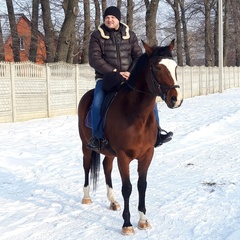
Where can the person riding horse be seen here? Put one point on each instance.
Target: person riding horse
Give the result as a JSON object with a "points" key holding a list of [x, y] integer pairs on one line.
{"points": [[113, 48], [130, 129]]}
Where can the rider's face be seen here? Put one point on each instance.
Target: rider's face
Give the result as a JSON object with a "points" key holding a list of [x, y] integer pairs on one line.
{"points": [[111, 22]]}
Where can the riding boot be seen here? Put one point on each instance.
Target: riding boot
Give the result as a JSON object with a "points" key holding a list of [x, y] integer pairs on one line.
{"points": [[94, 144], [163, 138]]}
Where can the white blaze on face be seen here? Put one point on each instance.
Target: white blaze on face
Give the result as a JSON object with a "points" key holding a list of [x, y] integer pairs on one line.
{"points": [[171, 65]]}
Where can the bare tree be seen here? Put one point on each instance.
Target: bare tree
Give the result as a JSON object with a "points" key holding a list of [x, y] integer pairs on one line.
{"points": [[216, 36], [86, 36], [194, 22], [97, 13], [185, 32], [65, 41], [175, 6], [104, 5], [130, 7], [208, 34], [150, 18], [14, 33], [1, 44], [119, 3], [49, 31], [226, 32], [235, 6], [34, 31]]}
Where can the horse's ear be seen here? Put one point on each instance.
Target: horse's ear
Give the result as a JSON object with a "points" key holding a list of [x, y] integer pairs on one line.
{"points": [[171, 46], [147, 48]]}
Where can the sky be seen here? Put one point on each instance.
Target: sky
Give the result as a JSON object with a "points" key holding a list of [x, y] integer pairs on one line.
{"points": [[193, 182]]}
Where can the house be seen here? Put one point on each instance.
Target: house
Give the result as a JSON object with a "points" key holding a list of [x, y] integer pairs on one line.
{"points": [[24, 33]]}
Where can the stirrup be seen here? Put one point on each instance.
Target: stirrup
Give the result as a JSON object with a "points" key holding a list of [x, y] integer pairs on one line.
{"points": [[166, 137], [97, 144]]}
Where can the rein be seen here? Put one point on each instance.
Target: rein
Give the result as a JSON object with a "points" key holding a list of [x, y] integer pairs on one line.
{"points": [[137, 90]]}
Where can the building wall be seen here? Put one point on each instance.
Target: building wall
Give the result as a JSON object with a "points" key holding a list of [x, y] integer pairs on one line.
{"points": [[24, 32]]}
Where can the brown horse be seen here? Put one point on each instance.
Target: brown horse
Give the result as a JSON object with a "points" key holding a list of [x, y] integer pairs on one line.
{"points": [[131, 128]]}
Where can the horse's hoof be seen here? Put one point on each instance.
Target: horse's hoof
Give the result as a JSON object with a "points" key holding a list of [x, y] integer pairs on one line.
{"points": [[143, 225], [115, 206], [86, 201], [128, 231]]}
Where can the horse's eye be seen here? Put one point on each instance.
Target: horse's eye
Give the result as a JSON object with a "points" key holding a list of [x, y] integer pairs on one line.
{"points": [[157, 68]]}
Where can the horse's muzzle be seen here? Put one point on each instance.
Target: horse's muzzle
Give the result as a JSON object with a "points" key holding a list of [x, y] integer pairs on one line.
{"points": [[174, 102]]}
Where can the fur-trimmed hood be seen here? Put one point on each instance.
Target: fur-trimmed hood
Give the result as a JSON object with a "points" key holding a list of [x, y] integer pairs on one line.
{"points": [[123, 28]]}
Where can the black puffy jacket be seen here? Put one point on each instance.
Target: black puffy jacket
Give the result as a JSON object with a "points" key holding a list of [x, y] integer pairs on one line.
{"points": [[110, 49]]}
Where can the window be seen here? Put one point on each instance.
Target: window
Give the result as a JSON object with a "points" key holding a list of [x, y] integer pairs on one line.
{"points": [[22, 45]]}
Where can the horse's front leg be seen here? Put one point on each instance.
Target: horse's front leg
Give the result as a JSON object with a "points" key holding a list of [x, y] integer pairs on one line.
{"points": [[143, 165], [127, 228], [143, 222], [123, 165], [107, 166]]}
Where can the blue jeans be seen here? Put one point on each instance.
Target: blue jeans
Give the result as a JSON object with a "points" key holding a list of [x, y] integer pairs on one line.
{"points": [[97, 124], [156, 114]]}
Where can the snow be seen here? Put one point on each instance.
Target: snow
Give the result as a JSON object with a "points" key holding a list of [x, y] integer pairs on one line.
{"points": [[193, 182]]}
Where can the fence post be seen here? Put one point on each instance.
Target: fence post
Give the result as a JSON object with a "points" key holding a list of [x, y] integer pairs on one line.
{"points": [[48, 90], [13, 92], [191, 72], [199, 80], [182, 81], [238, 77]]}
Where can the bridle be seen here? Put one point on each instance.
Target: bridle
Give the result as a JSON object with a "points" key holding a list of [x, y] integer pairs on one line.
{"points": [[162, 89]]}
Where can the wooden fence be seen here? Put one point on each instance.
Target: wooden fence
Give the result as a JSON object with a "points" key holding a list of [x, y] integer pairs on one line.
{"points": [[29, 91]]}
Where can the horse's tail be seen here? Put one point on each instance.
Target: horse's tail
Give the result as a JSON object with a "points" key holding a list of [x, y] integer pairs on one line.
{"points": [[95, 168]]}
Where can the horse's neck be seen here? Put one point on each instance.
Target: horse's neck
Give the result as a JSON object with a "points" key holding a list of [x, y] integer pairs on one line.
{"points": [[137, 80], [139, 93], [141, 101], [141, 87]]}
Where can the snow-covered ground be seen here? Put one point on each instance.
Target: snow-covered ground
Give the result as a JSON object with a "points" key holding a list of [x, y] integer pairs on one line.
{"points": [[193, 182]]}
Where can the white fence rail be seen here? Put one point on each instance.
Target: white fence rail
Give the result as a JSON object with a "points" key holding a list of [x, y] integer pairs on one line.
{"points": [[28, 90]]}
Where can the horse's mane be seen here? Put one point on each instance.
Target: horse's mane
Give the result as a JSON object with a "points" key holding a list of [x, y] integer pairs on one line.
{"points": [[142, 61], [138, 68], [163, 52]]}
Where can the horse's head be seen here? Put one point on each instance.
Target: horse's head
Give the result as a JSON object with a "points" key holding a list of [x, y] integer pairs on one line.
{"points": [[163, 74]]}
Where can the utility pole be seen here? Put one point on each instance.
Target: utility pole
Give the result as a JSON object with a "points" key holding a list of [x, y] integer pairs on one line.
{"points": [[220, 45]]}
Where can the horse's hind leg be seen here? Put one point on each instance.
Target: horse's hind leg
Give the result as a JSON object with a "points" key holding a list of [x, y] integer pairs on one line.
{"points": [[107, 166], [86, 189]]}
